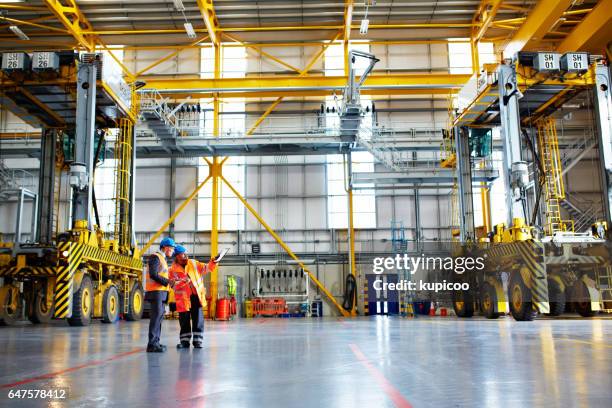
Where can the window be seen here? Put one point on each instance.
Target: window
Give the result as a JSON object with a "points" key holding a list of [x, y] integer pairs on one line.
{"points": [[231, 210], [233, 62], [486, 53], [232, 123], [460, 58], [334, 59], [460, 55], [364, 201], [105, 194]]}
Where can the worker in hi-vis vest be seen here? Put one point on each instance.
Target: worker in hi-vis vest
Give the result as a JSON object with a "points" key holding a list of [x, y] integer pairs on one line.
{"points": [[157, 286], [190, 296]]}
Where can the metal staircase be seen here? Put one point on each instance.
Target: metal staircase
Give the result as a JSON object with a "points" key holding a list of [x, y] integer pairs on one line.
{"points": [[583, 214], [159, 116]]}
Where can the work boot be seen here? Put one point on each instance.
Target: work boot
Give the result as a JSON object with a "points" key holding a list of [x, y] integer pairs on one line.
{"points": [[182, 345], [197, 345], [155, 349]]}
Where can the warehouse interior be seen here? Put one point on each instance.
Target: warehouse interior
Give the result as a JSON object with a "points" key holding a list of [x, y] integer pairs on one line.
{"points": [[310, 139]]}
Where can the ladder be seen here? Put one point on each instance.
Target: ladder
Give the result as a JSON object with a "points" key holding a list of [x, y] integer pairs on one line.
{"points": [[123, 156], [554, 190], [604, 283]]}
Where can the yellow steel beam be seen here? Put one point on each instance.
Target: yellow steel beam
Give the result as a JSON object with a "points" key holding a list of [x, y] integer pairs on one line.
{"points": [[316, 85], [593, 33], [257, 48], [167, 57], [173, 216], [381, 93], [241, 43], [302, 74], [21, 8], [285, 247], [450, 24], [484, 17], [541, 19], [74, 21], [210, 19]]}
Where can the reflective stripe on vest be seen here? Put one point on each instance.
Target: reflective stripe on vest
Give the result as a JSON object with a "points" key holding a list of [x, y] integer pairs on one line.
{"points": [[197, 280], [153, 285]]}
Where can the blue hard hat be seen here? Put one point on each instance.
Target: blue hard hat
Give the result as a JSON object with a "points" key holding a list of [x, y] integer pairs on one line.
{"points": [[179, 249], [167, 242]]}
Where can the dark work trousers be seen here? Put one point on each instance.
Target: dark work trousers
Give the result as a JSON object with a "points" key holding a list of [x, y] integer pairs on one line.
{"points": [[192, 323], [156, 314]]}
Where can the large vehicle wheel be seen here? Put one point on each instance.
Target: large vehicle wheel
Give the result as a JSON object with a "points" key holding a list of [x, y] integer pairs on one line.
{"points": [[110, 305], [582, 300], [9, 305], [82, 304], [136, 303], [40, 312], [488, 302], [556, 298], [463, 303], [521, 306]]}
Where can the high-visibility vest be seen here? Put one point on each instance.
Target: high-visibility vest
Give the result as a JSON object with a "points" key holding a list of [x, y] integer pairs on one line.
{"points": [[152, 285], [182, 290], [197, 280]]}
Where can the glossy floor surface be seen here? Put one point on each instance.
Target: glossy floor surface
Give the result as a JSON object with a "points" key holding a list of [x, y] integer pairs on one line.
{"points": [[363, 362]]}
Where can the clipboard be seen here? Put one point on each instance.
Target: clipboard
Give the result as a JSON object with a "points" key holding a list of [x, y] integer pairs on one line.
{"points": [[221, 255]]}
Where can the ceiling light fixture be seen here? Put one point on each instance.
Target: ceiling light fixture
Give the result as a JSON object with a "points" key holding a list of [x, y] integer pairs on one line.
{"points": [[178, 4], [365, 23], [363, 28], [189, 30], [17, 31]]}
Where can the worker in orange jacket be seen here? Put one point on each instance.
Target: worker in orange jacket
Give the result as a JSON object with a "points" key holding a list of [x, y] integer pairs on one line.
{"points": [[190, 295]]}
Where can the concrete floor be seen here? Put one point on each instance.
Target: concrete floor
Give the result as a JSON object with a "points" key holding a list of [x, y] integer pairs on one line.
{"points": [[365, 362]]}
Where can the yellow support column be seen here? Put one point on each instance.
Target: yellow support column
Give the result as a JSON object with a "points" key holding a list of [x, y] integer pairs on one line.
{"points": [[215, 173], [352, 247]]}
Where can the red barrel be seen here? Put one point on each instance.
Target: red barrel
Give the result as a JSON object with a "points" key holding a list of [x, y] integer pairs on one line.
{"points": [[223, 309]]}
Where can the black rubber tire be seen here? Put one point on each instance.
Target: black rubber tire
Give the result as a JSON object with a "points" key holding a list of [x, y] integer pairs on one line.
{"points": [[556, 298], [39, 312], [463, 303], [110, 305], [136, 308], [519, 297], [82, 304], [488, 300], [581, 300], [8, 316]]}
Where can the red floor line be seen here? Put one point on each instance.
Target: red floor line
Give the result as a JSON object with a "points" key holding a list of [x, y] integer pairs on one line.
{"points": [[72, 369], [394, 395]]}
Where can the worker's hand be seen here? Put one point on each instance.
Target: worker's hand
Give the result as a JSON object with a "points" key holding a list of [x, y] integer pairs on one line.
{"points": [[171, 282], [215, 259]]}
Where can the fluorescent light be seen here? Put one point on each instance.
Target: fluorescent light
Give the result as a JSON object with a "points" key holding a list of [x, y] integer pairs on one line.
{"points": [[363, 29], [178, 4], [189, 30], [17, 31]]}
